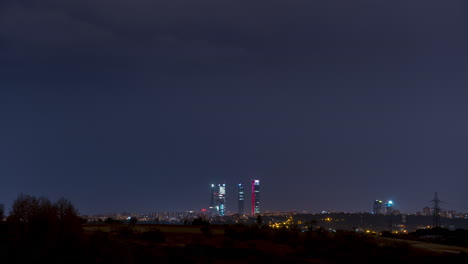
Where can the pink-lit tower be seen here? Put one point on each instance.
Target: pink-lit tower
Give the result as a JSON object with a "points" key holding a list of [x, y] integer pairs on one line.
{"points": [[255, 197]]}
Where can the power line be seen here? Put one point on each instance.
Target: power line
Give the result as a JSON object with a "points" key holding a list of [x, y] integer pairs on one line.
{"points": [[435, 212]]}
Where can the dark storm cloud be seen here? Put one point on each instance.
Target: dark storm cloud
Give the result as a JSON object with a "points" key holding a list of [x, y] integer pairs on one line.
{"points": [[266, 32]]}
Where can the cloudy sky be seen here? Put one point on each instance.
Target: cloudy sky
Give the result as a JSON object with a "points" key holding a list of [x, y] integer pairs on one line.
{"points": [[141, 105]]}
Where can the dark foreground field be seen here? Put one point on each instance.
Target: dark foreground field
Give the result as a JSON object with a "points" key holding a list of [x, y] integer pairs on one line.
{"points": [[124, 243], [251, 244]]}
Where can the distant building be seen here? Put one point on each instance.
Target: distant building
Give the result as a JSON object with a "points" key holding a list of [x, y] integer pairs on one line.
{"points": [[240, 198], [427, 211], [213, 210], [222, 199], [213, 194], [389, 207], [255, 197], [451, 214], [218, 199], [377, 207]]}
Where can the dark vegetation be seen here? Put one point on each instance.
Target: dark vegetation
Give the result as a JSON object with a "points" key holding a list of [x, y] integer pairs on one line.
{"points": [[37, 229], [2, 212], [40, 231], [458, 237]]}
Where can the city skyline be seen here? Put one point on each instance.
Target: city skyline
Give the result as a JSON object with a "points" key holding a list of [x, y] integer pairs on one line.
{"points": [[218, 202]]}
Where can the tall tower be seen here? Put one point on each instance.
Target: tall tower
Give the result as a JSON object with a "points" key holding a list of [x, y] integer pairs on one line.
{"points": [[377, 207], [218, 199], [222, 199], [214, 190], [240, 198], [389, 207], [255, 197], [212, 195]]}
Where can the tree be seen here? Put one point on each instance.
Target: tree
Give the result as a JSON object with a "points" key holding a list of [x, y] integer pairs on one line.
{"points": [[69, 221], [311, 224], [2, 212], [110, 220], [36, 216], [200, 221], [23, 209], [65, 210], [40, 219], [42, 231], [259, 220]]}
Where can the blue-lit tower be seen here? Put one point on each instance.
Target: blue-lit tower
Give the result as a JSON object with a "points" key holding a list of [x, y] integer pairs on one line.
{"points": [[389, 207], [222, 199], [218, 199]]}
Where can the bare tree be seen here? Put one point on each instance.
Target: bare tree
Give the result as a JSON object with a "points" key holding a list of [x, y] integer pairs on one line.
{"points": [[39, 229], [69, 221], [39, 217], [65, 210], [24, 208]]}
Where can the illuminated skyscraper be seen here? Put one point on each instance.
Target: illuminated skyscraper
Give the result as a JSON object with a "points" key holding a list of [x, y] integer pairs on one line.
{"points": [[213, 199], [389, 207], [255, 197], [218, 199], [240, 198], [222, 199], [377, 207]]}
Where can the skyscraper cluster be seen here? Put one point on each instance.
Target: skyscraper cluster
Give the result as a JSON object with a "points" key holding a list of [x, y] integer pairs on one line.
{"points": [[382, 208], [218, 199]]}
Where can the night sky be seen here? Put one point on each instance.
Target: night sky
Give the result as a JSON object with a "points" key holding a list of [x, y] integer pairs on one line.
{"points": [[139, 105]]}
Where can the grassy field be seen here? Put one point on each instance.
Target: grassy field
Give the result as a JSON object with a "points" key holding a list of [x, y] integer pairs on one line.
{"points": [[251, 244], [182, 229], [432, 247]]}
